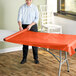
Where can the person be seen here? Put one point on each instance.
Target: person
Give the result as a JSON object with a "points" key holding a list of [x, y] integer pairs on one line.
{"points": [[28, 17]]}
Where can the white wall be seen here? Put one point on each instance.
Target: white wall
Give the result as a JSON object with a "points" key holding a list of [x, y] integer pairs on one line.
{"points": [[69, 26], [9, 13], [52, 4]]}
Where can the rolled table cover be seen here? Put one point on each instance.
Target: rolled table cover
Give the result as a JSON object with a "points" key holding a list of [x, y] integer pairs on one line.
{"points": [[62, 42]]}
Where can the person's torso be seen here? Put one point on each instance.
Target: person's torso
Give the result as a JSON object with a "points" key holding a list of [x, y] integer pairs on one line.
{"points": [[28, 14]]}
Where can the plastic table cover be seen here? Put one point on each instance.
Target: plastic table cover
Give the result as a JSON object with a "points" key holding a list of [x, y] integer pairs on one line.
{"points": [[62, 42]]}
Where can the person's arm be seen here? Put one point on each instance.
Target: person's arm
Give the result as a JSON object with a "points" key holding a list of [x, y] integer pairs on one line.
{"points": [[36, 19], [20, 19], [20, 26]]}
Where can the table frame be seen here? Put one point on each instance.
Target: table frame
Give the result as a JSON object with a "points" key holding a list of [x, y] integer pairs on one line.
{"points": [[60, 59]]}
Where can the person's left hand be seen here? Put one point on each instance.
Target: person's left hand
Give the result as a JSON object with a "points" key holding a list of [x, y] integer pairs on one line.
{"points": [[29, 27]]}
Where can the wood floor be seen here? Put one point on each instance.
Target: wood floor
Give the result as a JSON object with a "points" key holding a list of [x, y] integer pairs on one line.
{"points": [[10, 65]]}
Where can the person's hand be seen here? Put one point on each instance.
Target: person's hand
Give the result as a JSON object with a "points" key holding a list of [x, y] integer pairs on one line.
{"points": [[21, 28], [29, 27]]}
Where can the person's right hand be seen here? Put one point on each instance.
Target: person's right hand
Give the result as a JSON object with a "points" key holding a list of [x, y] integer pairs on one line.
{"points": [[21, 28]]}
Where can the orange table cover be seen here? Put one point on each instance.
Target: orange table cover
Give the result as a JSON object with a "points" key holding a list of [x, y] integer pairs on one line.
{"points": [[62, 42]]}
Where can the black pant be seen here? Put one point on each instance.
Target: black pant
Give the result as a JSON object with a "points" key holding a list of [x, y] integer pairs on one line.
{"points": [[25, 47]]}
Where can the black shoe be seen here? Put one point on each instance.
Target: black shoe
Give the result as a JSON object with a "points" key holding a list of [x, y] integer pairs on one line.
{"points": [[23, 61], [36, 62]]}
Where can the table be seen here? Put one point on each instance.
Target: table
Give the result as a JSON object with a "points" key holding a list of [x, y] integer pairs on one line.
{"points": [[5, 33], [61, 42]]}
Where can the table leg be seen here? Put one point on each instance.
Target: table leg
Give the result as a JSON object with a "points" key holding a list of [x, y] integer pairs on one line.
{"points": [[67, 62], [60, 62]]}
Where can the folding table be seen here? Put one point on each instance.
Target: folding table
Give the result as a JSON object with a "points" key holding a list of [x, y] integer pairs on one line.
{"points": [[61, 42]]}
